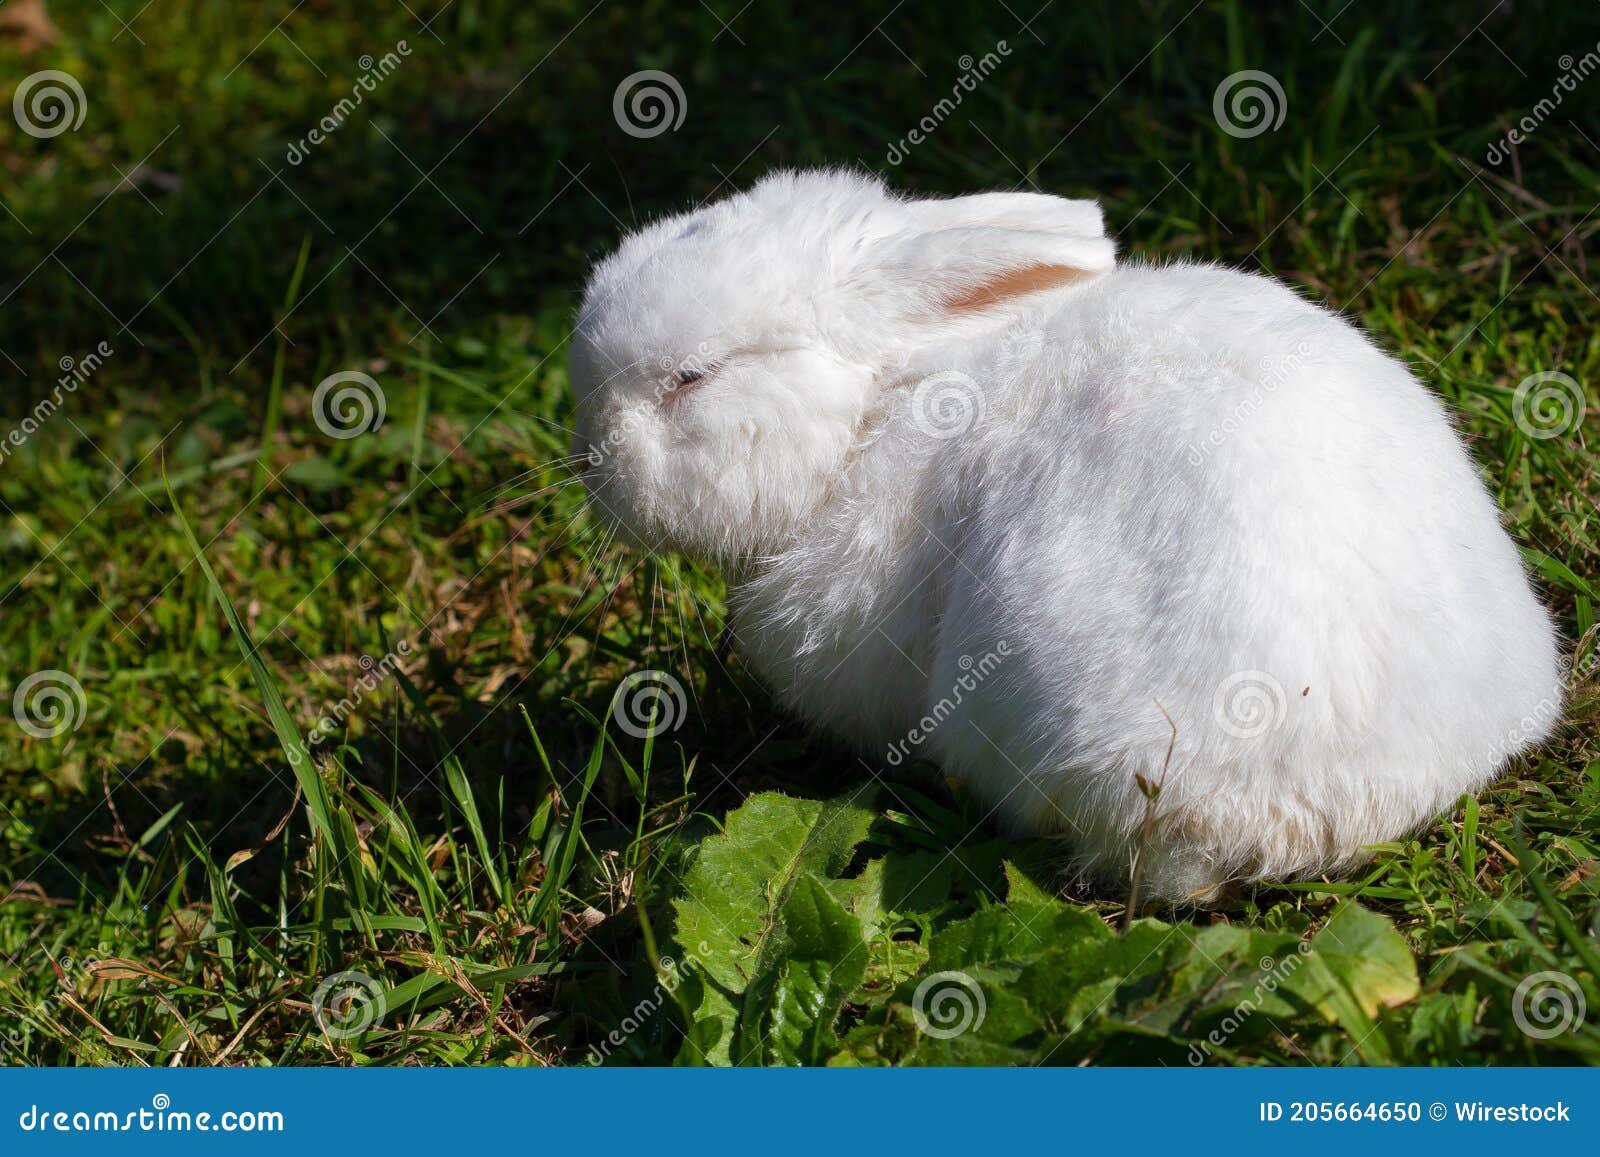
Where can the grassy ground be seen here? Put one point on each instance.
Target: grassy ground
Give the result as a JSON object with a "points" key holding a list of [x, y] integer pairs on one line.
{"points": [[501, 880]]}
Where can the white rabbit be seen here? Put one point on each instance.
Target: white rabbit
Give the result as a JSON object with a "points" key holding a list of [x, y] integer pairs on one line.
{"points": [[988, 499]]}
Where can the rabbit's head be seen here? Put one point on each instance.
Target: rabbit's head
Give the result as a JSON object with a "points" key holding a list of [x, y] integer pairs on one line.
{"points": [[724, 359]]}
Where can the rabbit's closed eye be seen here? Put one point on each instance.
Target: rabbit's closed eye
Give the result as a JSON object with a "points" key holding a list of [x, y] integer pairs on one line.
{"points": [[690, 376]]}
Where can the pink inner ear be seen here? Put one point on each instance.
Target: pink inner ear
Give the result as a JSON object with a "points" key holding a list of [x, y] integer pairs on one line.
{"points": [[1018, 282]]}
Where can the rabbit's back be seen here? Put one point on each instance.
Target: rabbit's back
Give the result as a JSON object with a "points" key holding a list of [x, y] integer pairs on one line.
{"points": [[1208, 500]]}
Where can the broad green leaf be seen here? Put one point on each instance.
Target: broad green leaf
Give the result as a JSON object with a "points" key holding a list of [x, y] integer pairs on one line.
{"points": [[891, 961], [742, 878], [707, 1041], [1358, 964], [896, 886], [1369, 958], [710, 1037], [1020, 888], [1015, 932], [812, 963], [1050, 983]]}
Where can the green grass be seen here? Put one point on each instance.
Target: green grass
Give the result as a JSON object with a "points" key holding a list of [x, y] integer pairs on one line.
{"points": [[217, 574]]}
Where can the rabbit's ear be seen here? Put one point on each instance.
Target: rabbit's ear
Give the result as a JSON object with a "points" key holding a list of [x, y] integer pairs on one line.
{"points": [[1036, 211], [971, 254]]}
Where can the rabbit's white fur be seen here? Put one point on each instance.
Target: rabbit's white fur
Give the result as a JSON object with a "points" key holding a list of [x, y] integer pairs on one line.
{"points": [[986, 498]]}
